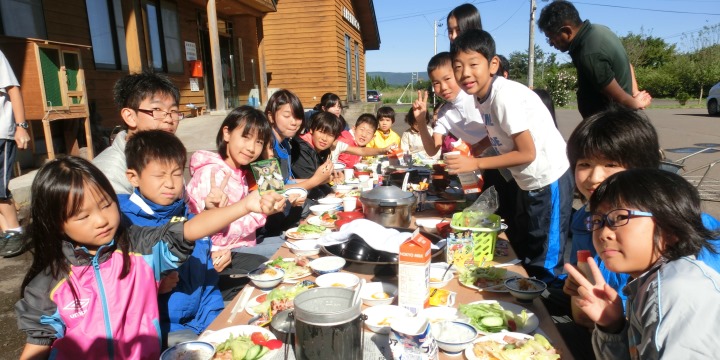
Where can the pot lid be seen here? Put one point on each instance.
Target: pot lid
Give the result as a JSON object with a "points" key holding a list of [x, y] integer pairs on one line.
{"points": [[388, 193]]}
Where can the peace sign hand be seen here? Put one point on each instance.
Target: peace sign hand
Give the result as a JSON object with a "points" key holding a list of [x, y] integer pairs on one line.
{"points": [[420, 105], [217, 197], [600, 302]]}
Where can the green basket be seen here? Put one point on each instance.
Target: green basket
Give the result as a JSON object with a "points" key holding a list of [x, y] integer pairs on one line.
{"points": [[484, 238]]}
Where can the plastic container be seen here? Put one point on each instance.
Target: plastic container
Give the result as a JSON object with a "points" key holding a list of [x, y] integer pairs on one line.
{"points": [[484, 238]]}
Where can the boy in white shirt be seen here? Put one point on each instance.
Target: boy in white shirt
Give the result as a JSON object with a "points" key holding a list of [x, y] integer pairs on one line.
{"points": [[520, 128]]}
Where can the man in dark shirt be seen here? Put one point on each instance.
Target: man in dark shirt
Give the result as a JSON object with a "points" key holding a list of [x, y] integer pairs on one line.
{"points": [[604, 71]]}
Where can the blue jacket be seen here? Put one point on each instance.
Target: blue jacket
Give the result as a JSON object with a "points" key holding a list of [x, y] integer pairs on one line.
{"points": [[196, 301]]}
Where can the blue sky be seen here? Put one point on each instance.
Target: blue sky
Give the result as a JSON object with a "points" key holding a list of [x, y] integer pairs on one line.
{"points": [[406, 26]]}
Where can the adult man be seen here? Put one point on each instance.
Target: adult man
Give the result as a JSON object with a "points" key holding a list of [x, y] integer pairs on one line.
{"points": [[147, 101], [604, 71], [13, 136]]}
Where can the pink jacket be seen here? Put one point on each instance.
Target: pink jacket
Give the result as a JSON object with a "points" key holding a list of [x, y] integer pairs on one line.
{"points": [[242, 231]]}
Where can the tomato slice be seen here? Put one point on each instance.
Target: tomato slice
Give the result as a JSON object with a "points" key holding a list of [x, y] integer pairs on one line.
{"points": [[261, 298], [273, 344], [258, 338]]}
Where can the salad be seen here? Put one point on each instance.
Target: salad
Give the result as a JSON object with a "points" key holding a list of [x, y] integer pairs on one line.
{"points": [[512, 348], [251, 347], [328, 219], [492, 317], [483, 277], [294, 268], [277, 300]]}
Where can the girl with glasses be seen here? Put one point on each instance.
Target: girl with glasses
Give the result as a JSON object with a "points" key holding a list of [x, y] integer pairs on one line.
{"points": [[647, 224]]}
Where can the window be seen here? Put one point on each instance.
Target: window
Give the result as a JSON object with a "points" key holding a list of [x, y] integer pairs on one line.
{"points": [[23, 18], [164, 36], [107, 32]]}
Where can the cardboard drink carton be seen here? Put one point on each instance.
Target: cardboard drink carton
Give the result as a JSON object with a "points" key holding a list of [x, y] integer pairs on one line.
{"points": [[414, 273]]}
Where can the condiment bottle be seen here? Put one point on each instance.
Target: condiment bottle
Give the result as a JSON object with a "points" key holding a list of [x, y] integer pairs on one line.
{"points": [[582, 264]]}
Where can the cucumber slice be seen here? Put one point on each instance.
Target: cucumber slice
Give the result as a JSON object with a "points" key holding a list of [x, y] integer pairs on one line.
{"points": [[492, 321]]}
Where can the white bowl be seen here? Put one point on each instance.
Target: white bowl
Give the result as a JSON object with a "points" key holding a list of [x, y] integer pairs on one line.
{"points": [[436, 314], [453, 337], [374, 293], [437, 274], [362, 167], [428, 224], [302, 193], [318, 210], [266, 277], [195, 349], [327, 264], [380, 317], [339, 166], [304, 247], [330, 201], [338, 279], [525, 289]]}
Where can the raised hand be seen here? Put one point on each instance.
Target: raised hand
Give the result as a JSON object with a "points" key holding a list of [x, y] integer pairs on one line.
{"points": [[420, 105], [599, 302], [217, 196], [324, 171]]}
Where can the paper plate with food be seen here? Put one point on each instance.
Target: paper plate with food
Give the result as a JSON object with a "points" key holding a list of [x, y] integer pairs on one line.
{"points": [[510, 345], [265, 306], [295, 268], [306, 232], [344, 193], [491, 316], [243, 342], [326, 219], [491, 279]]}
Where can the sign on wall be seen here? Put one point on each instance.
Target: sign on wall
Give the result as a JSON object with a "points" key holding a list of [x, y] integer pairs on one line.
{"points": [[190, 51], [348, 15]]}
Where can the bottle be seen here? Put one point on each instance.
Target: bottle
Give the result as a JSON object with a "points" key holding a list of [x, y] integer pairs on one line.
{"points": [[471, 182], [582, 265]]}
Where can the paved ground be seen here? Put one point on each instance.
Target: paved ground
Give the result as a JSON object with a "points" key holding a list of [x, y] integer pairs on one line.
{"points": [[678, 128]]}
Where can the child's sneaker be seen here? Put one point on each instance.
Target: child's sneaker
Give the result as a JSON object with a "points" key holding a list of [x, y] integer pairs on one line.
{"points": [[14, 244]]}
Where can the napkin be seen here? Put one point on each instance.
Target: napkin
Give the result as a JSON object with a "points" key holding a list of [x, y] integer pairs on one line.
{"points": [[374, 234]]}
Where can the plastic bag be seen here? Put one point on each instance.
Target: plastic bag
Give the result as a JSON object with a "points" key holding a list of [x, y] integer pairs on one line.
{"points": [[476, 215]]}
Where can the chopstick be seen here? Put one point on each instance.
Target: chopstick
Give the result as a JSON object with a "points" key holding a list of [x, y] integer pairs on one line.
{"points": [[242, 301]]}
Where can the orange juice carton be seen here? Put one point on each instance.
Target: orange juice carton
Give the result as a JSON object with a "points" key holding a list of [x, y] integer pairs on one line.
{"points": [[459, 250], [414, 273], [471, 182], [397, 157]]}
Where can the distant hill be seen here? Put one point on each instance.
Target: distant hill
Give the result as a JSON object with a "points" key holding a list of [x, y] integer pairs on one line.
{"points": [[398, 78]]}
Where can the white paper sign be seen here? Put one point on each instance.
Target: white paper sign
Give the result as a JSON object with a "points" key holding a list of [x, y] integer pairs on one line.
{"points": [[190, 51], [194, 84]]}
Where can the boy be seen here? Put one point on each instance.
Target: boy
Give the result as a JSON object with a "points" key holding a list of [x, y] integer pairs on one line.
{"points": [[360, 135], [146, 101], [385, 136], [312, 149], [155, 162], [520, 129]]}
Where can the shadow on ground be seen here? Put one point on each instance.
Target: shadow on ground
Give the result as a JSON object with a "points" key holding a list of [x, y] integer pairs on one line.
{"points": [[12, 271]]}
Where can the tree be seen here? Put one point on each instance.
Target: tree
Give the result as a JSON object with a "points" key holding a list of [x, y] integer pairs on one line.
{"points": [[545, 64], [704, 69], [375, 82], [647, 51]]}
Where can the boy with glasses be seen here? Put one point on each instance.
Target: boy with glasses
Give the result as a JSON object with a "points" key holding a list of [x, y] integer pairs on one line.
{"points": [[147, 101]]}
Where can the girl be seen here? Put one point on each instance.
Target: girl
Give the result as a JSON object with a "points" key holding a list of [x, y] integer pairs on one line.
{"points": [[461, 19], [646, 223], [92, 288], [411, 142], [329, 102]]}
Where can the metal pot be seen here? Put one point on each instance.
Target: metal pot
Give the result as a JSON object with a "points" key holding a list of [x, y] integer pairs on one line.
{"points": [[388, 206]]}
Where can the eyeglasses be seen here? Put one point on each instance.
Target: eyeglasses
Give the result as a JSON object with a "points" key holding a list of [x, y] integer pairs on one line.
{"points": [[613, 219], [160, 115], [549, 38]]}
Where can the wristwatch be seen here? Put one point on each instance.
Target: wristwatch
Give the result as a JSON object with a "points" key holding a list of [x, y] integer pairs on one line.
{"points": [[23, 125]]}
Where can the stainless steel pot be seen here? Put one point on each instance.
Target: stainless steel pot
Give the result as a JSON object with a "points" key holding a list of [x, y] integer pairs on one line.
{"points": [[388, 206]]}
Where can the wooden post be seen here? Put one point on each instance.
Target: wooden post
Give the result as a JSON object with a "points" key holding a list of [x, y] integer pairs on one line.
{"points": [[134, 43], [215, 55]]}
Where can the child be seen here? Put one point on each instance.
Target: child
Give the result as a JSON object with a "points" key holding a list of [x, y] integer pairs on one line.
{"points": [[328, 102], [359, 136], [156, 160], [146, 101], [312, 149], [385, 136], [521, 131], [92, 286], [646, 223], [461, 19], [411, 142]]}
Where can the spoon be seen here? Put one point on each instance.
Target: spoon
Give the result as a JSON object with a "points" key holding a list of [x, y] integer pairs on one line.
{"points": [[443, 277]]}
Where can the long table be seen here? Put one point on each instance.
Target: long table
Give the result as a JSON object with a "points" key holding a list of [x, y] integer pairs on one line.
{"points": [[464, 295]]}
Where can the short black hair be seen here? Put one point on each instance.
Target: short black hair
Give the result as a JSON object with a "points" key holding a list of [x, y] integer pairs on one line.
{"points": [[411, 120], [327, 123], [327, 101], [282, 97], [557, 14], [467, 17], [673, 201], [439, 60], [251, 119], [387, 112], [154, 145], [479, 41], [616, 134], [504, 66], [130, 90], [369, 119]]}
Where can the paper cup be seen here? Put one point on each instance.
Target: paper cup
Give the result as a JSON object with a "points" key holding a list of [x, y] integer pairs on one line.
{"points": [[349, 203], [363, 178], [348, 173], [452, 153]]}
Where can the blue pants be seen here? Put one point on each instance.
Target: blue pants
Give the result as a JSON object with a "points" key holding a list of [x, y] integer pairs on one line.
{"points": [[543, 221]]}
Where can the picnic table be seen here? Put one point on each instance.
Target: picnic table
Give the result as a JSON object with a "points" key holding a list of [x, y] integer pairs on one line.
{"points": [[375, 345]]}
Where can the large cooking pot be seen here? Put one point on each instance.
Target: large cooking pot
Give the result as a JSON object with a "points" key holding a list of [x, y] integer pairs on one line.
{"points": [[388, 206]]}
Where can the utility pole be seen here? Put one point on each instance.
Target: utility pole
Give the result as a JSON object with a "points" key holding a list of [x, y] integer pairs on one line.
{"points": [[436, 25], [531, 45]]}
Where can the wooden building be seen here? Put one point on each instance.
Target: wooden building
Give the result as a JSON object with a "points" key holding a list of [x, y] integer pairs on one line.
{"points": [[321, 48]]}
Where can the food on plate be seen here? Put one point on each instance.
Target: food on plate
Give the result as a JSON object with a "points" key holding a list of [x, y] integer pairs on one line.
{"points": [[385, 321], [537, 347], [483, 277], [342, 194], [267, 274], [294, 268], [244, 347], [526, 285], [310, 229], [276, 301], [338, 285], [380, 295], [491, 317], [328, 217]]}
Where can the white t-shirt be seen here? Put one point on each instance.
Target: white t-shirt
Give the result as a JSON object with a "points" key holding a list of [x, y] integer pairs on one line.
{"points": [[512, 108], [411, 143], [7, 79], [461, 118]]}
